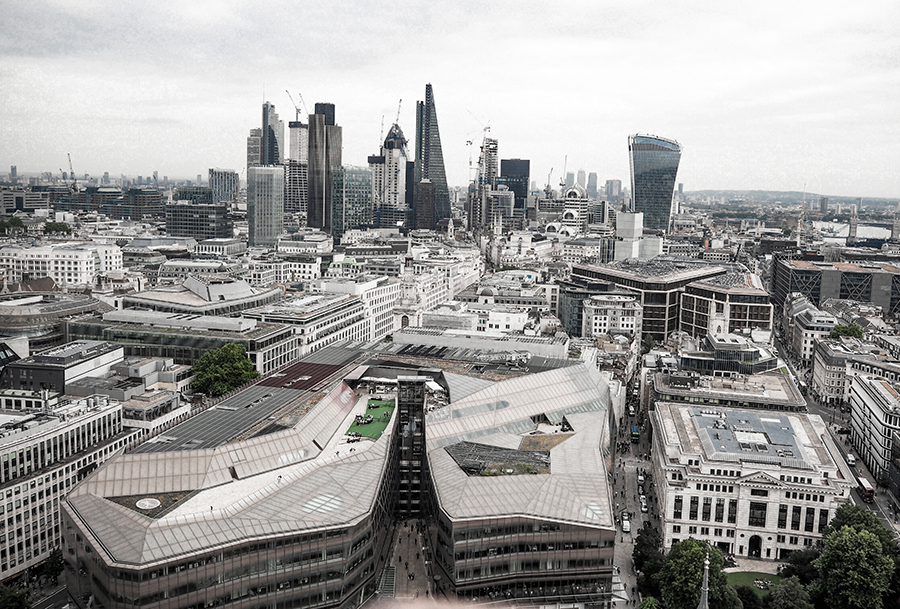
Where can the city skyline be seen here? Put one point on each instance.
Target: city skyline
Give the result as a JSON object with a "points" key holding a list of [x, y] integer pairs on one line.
{"points": [[762, 99]]}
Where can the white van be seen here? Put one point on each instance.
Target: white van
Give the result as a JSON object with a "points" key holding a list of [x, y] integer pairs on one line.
{"points": [[851, 460], [631, 411]]}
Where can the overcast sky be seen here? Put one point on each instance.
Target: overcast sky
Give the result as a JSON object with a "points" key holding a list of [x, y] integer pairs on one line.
{"points": [[761, 95]]}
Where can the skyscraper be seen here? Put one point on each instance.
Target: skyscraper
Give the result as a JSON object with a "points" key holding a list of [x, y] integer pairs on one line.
{"points": [[224, 184], [325, 145], [581, 178], [254, 145], [389, 186], [296, 169], [654, 165], [265, 204], [488, 171], [272, 143], [592, 185], [429, 155], [352, 198], [516, 174], [613, 190]]}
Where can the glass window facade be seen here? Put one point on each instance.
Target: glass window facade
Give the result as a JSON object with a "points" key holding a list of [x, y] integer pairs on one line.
{"points": [[654, 166]]}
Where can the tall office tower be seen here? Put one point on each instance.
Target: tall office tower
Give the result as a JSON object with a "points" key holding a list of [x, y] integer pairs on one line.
{"points": [[680, 189], [581, 178], [105, 179], [613, 190], [654, 165], [389, 180], [488, 171], [299, 141], [325, 144], [570, 179], [272, 144], [592, 185], [516, 174], [429, 155], [254, 146], [265, 204], [823, 205], [13, 173], [327, 110], [352, 199], [225, 185], [423, 205]]}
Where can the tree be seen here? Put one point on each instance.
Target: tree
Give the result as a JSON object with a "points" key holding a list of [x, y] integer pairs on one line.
{"points": [[854, 572], [648, 559], [53, 566], [57, 227], [219, 371], [14, 598], [749, 598], [852, 330], [789, 594], [647, 344], [650, 602], [800, 564], [681, 577]]}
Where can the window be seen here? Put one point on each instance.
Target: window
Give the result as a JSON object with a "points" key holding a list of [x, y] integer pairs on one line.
{"points": [[695, 503], [782, 516], [823, 520], [676, 528], [758, 492], [780, 538], [732, 510], [692, 530], [679, 500], [704, 530], [810, 519], [707, 508], [795, 518], [720, 509], [757, 517]]}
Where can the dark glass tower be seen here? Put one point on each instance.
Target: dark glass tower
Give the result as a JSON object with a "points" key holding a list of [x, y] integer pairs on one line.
{"points": [[429, 156], [325, 145], [518, 174], [272, 143], [654, 165]]}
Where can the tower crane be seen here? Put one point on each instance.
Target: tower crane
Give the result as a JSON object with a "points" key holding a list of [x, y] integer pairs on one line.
{"points": [[296, 109], [74, 186], [397, 120]]}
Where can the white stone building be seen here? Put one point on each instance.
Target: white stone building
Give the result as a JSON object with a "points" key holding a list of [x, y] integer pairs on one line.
{"points": [[66, 264], [611, 314], [875, 418]]}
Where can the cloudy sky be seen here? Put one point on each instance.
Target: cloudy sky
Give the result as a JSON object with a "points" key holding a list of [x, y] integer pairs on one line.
{"points": [[761, 95]]}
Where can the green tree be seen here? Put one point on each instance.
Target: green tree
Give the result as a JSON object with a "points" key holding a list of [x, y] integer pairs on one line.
{"points": [[648, 559], [219, 371], [53, 566], [852, 330], [647, 344], [800, 564], [749, 598], [650, 602], [789, 594], [681, 577], [13, 598], [57, 227], [854, 571]]}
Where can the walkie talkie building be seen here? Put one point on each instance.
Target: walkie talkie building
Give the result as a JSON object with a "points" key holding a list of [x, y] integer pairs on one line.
{"points": [[654, 165]]}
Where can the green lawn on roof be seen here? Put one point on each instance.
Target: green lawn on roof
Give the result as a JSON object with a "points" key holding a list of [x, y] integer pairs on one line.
{"points": [[381, 414]]}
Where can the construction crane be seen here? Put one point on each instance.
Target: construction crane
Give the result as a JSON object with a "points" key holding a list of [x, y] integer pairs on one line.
{"points": [[296, 109], [74, 186], [562, 178], [549, 190], [397, 120]]}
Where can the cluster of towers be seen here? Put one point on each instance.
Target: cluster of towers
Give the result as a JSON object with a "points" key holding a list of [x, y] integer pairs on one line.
{"points": [[312, 180]]}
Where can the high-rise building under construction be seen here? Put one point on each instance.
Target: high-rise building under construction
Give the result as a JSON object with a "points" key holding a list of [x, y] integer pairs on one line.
{"points": [[429, 156]]}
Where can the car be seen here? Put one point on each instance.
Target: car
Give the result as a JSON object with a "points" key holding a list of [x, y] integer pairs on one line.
{"points": [[644, 508], [640, 478], [626, 526]]}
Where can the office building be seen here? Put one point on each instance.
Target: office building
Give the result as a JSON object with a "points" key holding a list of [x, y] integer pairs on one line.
{"points": [[482, 210], [752, 484], [613, 190], [581, 178], [766, 391], [516, 174], [389, 185], [265, 204], [874, 422], [592, 185], [823, 206], [65, 264], [611, 314], [254, 147], [202, 295], [296, 169], [272, 142], [325, 154], [299, 141], [225, 185], [570, 179], [197, 220], [423, 205], [298, 517], [351, 199], [727, 355], [429, 154], [725, 304], [654, 165]]}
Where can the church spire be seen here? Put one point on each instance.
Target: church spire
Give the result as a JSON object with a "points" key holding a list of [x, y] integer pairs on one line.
{"points": [[704, 591]]}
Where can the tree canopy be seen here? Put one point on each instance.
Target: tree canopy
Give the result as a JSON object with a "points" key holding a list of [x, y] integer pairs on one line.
{"points": [[852, 330], [57, 227], [789, 594], [221, 370], [648, 559], [13, 598], [854, 571], [681, 577]]}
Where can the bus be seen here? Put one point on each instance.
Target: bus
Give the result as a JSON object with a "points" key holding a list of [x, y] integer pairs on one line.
{"points": [[635, 433], [865, 490]]}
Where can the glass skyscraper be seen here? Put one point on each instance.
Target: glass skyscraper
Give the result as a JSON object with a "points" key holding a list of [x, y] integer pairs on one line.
{"points": [[352, 198], [429, 155], [265, 204], [654, 165], [324, 154]]}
